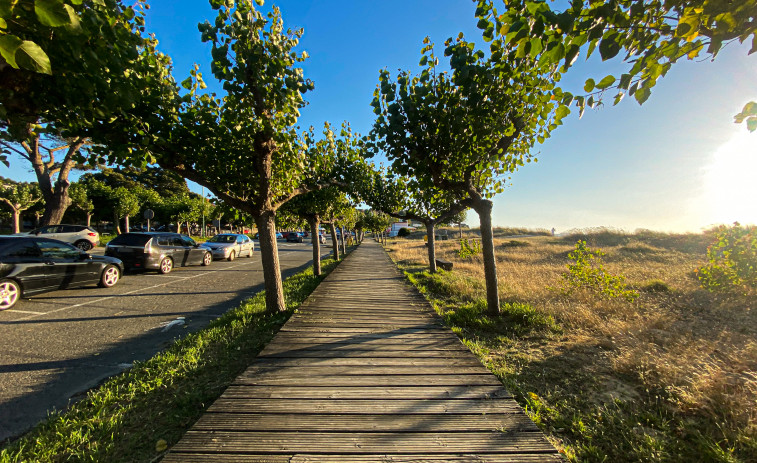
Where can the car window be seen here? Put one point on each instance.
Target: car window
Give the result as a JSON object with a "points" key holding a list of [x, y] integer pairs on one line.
{"points": [[240, 240], [21, 249], [130, 239], [71, 228], [187, 241], [49, 229], [164, 240], [222, 239], [55, 250]]}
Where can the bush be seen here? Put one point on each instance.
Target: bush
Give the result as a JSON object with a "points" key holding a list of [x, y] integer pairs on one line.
{"points": [[468, 248], [587, 272], [403, 232], [733, 261]]}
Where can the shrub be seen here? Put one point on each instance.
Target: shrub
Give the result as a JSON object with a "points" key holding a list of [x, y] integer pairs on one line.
{"points": [[403, 232], [468, 248], [732, 261], [657, 286], [587, 272], [515, 244]]}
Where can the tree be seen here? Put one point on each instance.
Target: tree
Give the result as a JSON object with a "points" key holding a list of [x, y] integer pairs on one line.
{"points": [[80, 200], [465, 132], [66, 70], [124, 204], [19, 197], [242, 146], [654, 36], [314, 207], [403, 199]]}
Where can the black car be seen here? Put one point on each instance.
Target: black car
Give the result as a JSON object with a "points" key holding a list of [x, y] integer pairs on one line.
{"points": [[157, 251], [31, 265], [294, 237]]}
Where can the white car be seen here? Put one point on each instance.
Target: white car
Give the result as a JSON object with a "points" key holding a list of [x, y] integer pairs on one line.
{"points": [[81, 236], [230, 246]]}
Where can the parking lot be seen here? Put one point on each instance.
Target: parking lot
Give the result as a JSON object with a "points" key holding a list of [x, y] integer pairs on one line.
{"points": [[59, 344]]}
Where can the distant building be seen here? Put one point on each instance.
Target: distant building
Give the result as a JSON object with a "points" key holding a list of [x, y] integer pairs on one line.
{"points": [[397, 226]]}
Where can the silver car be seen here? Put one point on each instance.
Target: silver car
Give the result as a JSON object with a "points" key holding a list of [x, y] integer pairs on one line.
{"points": [[230, 246], [83, 237]]}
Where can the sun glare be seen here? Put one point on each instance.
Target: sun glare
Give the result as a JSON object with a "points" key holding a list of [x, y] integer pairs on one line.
{"points": [[731, 181]]}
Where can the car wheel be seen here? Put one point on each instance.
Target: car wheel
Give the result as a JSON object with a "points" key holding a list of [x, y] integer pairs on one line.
{"points": [[84, 245], [232, 255], [166, 265], [10, 292], [207, 259], [110, 276]]}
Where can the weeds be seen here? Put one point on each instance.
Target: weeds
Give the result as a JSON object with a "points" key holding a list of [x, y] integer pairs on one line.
{"points": [[588, 272], [469, 249]]}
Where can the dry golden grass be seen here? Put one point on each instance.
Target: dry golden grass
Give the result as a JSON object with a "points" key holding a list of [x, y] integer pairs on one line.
{"points": [[692, 353]]}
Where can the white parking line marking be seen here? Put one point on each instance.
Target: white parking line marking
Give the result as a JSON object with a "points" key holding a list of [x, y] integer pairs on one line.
{"points": [[37, 314]]}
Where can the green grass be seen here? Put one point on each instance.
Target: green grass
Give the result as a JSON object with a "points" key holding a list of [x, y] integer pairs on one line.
{"points": [[132, 416]]}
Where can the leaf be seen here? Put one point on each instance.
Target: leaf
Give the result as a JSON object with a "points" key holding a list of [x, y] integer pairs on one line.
{"points": [[30, 56], [625, 81], [642, 94], [3, 24], [8, 46], [606, 82], [52, 13], [187, 83], [561, 112], [609, 47], [589, 86], [751, 124]]}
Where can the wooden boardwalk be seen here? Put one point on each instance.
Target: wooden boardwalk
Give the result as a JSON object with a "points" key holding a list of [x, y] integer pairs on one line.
{"points": [[365, 371]]}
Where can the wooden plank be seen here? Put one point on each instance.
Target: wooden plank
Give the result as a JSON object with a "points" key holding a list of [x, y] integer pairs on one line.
{"points": [[370, 380], [263, 362], [316, 352], [367, 392], [362, 443], [308, 372], [362, 423], [372, 406], [368, 458]]}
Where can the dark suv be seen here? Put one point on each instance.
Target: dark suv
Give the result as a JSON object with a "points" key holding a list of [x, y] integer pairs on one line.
{"points": [[157, 251]]}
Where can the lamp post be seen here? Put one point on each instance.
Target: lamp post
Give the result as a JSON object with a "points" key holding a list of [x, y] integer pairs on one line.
{"points": [[203, 212]]}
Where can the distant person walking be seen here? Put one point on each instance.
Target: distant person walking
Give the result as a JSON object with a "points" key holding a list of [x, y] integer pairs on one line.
{"points": [[553, 231]]}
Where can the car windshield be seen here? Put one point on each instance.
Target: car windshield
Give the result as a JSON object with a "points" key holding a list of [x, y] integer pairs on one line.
{"points": [[223, 239]]}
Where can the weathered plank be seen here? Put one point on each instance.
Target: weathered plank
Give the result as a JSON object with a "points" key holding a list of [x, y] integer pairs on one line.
{"points": [[362, 423], [359, 406], [367, 392], [379, 457], [367, 442], [370, 380]]}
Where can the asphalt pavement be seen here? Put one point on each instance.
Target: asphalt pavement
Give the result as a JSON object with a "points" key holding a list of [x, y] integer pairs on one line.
{"points": [[58, 345]]}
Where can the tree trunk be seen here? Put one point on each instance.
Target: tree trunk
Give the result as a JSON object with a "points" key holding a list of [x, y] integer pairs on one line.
{"points": [[89, 219], [269, 257], [431, 247], [16, 221], [313, 222], [334, 241], [126, 224], [483, 208], [344, 246], [56, 204], [116, 224], [461, 229]]}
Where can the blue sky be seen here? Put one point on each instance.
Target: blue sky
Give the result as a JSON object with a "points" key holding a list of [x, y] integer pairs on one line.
{"points": [[678, 163]]}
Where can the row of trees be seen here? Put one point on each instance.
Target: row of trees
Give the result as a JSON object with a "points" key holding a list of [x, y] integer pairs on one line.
{"points": [[452, 133]]}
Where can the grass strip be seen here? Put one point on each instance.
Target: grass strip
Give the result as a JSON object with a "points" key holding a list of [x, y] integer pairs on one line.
{"points": [[136, 415]]}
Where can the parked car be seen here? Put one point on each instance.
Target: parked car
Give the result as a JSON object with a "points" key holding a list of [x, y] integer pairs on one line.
{"points": [[32, 265], [229, 246], [83, 237], [157, 251], [294, 237], [321, 238]]}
